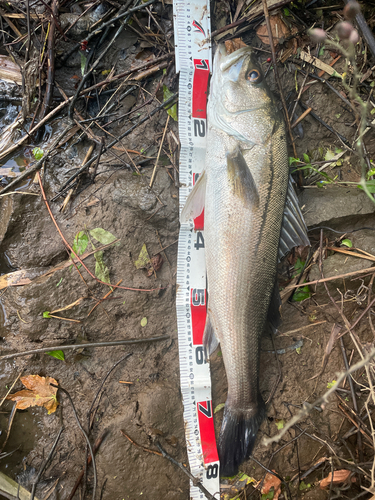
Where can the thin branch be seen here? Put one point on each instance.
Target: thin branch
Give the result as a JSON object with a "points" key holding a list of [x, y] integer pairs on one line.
{"points": [[82, 346]]}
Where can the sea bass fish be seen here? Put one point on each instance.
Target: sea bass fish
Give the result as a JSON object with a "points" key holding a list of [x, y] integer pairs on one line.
{"points": [[251, 219]]}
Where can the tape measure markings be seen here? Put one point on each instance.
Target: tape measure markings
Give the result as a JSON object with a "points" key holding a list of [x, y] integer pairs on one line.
{"points": [[193, 62]]}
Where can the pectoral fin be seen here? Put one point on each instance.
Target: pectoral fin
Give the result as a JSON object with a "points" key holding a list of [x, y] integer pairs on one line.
{"points": [[240, 178], [294, 230], [195, 201]]}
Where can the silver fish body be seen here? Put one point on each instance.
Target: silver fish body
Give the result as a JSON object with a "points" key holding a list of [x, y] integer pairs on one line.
{"points": [[244, 189]]}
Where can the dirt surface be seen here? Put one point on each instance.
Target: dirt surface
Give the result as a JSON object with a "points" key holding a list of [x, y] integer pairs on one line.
{"points": [[140, 397]]}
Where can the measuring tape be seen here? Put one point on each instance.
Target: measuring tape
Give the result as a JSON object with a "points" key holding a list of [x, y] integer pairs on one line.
{"points": [[193, 62]]}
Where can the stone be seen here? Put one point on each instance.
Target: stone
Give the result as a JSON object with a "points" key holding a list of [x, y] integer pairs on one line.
{"points": [[320, 206]]}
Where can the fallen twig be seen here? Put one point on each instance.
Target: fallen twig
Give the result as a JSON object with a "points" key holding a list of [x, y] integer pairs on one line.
{"points": [[82, 346], [45, 463], [84, 435], [141, 447], [96, 447], [193, 479]]}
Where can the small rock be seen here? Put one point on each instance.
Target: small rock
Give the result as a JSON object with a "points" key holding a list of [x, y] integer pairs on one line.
{"points": [[319, 206]]}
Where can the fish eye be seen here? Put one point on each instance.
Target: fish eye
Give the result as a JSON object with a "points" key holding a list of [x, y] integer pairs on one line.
{"points": [[254, 76]]}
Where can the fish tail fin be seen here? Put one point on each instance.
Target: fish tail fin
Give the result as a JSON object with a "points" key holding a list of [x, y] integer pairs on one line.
{"points": [[238, 434]]}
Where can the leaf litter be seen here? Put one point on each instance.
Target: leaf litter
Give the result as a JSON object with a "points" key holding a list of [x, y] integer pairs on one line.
{"points": [[38, 392]]}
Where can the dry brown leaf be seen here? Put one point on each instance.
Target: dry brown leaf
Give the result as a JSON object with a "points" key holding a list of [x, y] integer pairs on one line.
{"points": [[39, 393], [339, 476], [233, 45], [9, 70], [274, 482], [279, 31]]}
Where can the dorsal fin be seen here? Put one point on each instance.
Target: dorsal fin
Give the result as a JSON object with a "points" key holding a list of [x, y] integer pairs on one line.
{"points": [[293, 230]]}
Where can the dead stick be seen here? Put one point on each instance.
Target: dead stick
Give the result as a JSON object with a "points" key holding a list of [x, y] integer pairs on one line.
{"points": [[96, 447], [157, 158], [339, 276], [101, 300], [76, 256], [304, 114], [139, 446], [82, 346]]}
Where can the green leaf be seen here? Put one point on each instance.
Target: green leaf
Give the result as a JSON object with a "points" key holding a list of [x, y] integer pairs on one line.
{"points": [[267, 496], [280, 424], [172, 111], [143, 258], [83, 63], [219, 407], [104, 237], [331, 384], [80, 243], [59, 283], [38, 153], [301, 294], [371, 172], [298, 267], [293, 160], [321, 51], [347, 243], [370, 185], [46, 314], [286, 12], [298, 350], [101, 270], [56, 354], [306, 158], [143, 321], [304, 486]]}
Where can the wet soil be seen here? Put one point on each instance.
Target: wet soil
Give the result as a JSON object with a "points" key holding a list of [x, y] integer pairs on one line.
{"points": [[141, 396]]}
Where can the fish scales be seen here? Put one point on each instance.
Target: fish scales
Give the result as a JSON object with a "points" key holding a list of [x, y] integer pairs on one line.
{"points": [[243, 189]]}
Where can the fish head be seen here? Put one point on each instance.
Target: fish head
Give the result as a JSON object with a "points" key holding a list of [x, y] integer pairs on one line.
{"points": [[241, 103]]}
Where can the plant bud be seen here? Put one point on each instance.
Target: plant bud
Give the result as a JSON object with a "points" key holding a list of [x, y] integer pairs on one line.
{"points": [[354, 37], [344, 30], [318, 35], [351, 9]]}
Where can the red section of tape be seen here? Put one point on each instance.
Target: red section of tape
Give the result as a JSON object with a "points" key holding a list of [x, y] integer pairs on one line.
{"points": [[207, 431], [200, 81], [198, 314], [199, 222]]}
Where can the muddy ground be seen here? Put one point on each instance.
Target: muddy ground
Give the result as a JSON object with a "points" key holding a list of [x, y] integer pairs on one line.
{"points": [[148, 407]]}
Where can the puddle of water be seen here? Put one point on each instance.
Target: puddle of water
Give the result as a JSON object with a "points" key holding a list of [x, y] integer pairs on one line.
{"points": [[24, 432], [26, 429]]}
